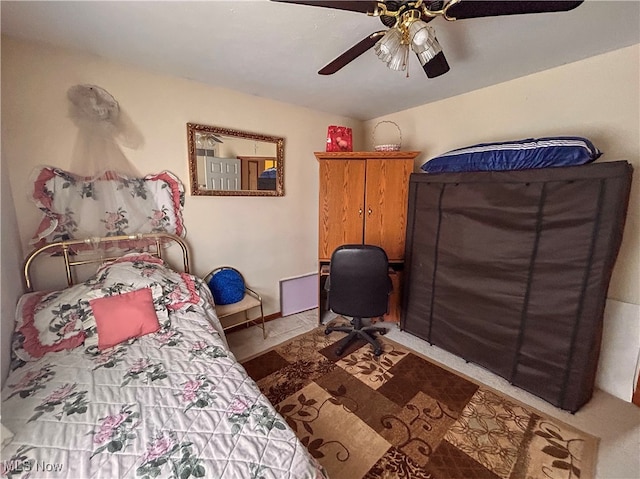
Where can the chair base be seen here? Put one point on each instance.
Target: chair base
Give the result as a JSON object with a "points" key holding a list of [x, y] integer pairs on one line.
{"points": [[355, 332]]}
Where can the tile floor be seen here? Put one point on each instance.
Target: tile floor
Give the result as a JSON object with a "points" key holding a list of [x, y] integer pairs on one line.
{"points": [[615, 422]]}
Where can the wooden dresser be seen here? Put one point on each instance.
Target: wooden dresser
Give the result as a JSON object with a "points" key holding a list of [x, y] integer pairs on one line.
{"points": [[363, 200]]}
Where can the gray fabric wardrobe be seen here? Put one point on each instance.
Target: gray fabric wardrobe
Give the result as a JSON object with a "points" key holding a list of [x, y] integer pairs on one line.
{"points": [[510, 270]]}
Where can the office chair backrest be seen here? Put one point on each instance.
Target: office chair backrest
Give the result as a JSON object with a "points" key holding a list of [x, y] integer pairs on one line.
{"points": [[359, 281]]}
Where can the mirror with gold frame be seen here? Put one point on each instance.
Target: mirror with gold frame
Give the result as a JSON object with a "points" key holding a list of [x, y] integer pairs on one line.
{"points": [[225, 162]]}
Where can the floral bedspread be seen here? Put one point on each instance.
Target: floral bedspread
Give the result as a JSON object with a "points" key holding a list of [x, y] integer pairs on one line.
{"points": [[171, 404]]}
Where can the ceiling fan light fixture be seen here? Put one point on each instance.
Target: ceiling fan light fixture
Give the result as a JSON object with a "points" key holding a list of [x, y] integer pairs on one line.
{"points": [[420, 33], [428, 55], [423, 41], [388, 45], [398, 61]]}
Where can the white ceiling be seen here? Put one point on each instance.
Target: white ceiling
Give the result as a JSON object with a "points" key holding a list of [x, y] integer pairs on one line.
{"points": [[274, 50]]}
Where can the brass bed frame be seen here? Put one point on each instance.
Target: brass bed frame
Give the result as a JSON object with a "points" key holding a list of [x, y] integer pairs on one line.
{"points": [[150, 242]]}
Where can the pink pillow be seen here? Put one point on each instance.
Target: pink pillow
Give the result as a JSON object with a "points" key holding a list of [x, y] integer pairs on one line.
{"points": [[124, 316]]}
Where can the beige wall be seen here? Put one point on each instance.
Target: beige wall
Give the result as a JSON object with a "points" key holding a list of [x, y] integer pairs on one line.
{"points": [[598, 98], [266, 238], [9, 268]]}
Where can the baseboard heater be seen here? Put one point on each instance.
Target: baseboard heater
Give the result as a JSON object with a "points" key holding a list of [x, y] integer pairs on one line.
{"points": [[298, 294]]}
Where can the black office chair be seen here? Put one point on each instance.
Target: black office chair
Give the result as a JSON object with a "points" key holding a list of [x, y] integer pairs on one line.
{"points": [[359, 287]]}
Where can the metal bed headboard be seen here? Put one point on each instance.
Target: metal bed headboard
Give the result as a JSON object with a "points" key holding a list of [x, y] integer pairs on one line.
{"points": [[151, 242]]}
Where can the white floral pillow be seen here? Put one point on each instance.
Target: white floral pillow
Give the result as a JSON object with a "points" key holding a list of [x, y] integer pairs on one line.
{"points": [[49, 322], [74, 206], [144, 270]]}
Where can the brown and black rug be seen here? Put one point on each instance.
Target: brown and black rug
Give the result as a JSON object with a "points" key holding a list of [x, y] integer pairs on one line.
{"points": [[403, 416]]}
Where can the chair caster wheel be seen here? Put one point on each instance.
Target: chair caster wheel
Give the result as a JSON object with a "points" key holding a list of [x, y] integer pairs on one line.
{"points": [[377, 351], [327, 332], [382, 332]]}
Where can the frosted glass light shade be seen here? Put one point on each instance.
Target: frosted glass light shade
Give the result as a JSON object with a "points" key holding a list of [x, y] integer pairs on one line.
{"points": [[423, 41], [398, 61], [420, 33], [388, 45]]}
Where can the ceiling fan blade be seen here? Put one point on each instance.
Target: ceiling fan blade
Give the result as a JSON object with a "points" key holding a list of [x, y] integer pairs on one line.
{"points": [[477, 8], [362, 6], [351, 54], [436, 66]]}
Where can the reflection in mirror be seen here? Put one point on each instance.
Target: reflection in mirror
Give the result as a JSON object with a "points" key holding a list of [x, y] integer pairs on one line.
{"points": [[234, 163]]}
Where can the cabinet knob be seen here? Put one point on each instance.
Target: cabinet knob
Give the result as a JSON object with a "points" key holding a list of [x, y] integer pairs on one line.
{"points": [[360, 212], [369, 211]]}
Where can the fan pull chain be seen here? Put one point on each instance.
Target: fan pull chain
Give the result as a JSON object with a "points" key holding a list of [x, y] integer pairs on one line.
{"points": [[406, 61]]}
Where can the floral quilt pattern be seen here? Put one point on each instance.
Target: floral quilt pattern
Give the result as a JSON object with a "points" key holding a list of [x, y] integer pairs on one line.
{"points": [[172, 404]]}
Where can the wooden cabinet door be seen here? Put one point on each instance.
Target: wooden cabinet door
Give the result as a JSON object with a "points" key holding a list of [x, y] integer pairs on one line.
{"points": [[341, 204], [387, 190]]}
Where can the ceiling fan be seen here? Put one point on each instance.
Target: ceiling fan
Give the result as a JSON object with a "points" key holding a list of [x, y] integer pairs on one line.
{"points": [[408, 29]]}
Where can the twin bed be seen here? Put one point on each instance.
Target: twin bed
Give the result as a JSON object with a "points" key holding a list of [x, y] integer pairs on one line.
{"points": [[170, 403]]}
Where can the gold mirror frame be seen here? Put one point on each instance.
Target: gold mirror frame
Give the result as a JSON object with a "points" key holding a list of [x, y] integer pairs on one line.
{"points": [[197, 190]]}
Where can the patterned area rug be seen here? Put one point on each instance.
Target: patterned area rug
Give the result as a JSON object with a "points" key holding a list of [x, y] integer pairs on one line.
{"points": [[402, 416]]}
